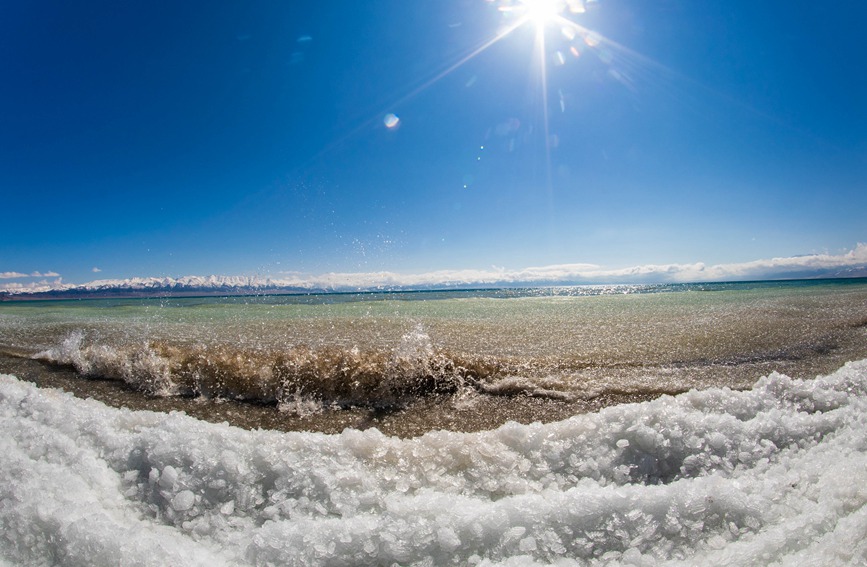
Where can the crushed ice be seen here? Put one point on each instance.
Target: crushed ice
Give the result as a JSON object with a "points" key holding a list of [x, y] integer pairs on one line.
{"points": [[777, 474]]}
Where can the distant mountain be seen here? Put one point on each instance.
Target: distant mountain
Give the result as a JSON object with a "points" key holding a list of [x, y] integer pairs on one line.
{"points": [[851, 264], [154, 286], [193, 283]]}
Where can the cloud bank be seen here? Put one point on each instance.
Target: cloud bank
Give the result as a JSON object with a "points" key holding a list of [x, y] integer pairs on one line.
{"points": [[850, 264], [19, 275]]}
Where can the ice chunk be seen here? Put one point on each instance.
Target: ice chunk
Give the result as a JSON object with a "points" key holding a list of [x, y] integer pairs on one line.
{"points": [[183, 501], [169, 477], [773, 475]]}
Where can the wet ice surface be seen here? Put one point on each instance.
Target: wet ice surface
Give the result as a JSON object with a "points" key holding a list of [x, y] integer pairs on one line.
{"points": [[776, 474]]}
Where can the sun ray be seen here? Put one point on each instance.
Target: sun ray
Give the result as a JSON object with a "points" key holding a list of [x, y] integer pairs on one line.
{"points": [[378, 116], [543, 15], [463, 60]]}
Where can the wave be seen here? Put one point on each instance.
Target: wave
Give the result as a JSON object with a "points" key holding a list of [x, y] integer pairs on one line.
{"points": [[304, 379], [773, 475]]}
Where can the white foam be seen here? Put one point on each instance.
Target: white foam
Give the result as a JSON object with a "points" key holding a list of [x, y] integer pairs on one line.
{"points": [[775, 475], [141, 367]]}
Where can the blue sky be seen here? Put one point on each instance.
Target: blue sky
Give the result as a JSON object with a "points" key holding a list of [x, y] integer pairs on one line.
{"points": [[176, 138]]}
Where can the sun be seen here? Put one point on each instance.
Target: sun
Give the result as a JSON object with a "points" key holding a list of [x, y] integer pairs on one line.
{"points": [[556, 17], [542, 12]]}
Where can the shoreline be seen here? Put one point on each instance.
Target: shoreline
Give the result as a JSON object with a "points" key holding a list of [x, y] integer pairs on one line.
{"points": [[449, 412], [411, 421]]}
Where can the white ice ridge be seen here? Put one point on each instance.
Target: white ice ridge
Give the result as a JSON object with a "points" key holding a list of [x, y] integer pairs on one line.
{"points": [[775, 475]]}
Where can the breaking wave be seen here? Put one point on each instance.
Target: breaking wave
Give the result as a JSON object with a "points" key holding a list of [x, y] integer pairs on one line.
{"points": [[304, 379]]}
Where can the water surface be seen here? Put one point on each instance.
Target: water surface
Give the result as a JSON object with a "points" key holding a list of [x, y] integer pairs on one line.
{"points": [[409, 362]]}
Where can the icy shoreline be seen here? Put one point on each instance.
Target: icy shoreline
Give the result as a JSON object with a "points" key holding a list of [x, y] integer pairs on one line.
{"points": [[776, 474]]}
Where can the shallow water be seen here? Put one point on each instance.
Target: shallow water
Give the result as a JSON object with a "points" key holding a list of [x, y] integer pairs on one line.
{"points": [[412, 362]]}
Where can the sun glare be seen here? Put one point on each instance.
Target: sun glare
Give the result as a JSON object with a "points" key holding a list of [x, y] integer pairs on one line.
{"points": [[542, 12], [554, 18]]}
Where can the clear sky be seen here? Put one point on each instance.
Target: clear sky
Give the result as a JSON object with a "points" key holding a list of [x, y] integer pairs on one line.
{"points": [[167, 138]]}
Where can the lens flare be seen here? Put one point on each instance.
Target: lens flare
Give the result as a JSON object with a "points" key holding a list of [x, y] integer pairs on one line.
{"points": [[391, 121]]}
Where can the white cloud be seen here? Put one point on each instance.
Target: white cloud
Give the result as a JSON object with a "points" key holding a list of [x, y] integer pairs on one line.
{"points": [[851, 263], [35, 287], [95, 270], [18, 275]]}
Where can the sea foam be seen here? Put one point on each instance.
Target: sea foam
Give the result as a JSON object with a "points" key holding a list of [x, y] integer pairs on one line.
{"points": [[773, 475]]}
